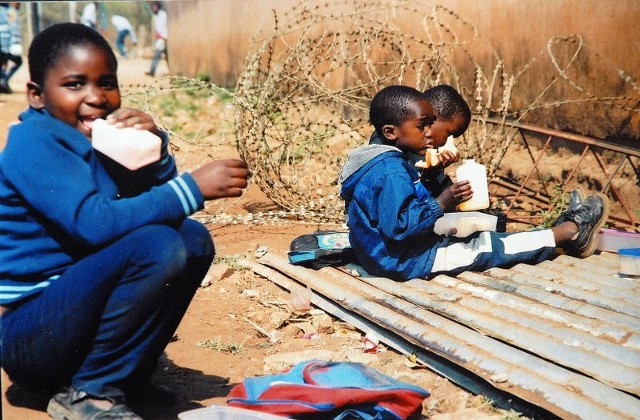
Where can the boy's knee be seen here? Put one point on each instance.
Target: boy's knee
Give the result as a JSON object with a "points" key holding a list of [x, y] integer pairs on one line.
{"points": [[197, 240], [161, 244]]}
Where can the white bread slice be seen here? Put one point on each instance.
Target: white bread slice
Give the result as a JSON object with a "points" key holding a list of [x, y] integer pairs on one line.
{"points": [[432, 156]]}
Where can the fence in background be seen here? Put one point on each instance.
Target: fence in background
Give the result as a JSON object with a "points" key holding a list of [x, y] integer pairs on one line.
{"points": [[586, 162]]}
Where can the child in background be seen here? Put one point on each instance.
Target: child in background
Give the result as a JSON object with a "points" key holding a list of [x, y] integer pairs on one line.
{"points": [[98, 264], [14, 56], [124, 29], [5, 43], [452, 119], [391, 215]]}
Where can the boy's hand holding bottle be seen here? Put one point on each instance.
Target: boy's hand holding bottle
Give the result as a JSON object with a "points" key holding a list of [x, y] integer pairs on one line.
{"points": [[455, 194], [216, 179]]}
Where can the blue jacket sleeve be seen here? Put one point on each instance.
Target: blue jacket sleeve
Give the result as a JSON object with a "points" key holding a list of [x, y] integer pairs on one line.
{"points": [[401, 214], [64, 184]]}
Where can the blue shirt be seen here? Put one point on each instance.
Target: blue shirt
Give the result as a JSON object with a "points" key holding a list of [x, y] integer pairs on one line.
{"points": [[60, 201], [390, 214]]}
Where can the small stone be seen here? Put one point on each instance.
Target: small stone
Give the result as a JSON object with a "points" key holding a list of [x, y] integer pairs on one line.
{"points": [[499, 378], [261, 251], [251, 294]]}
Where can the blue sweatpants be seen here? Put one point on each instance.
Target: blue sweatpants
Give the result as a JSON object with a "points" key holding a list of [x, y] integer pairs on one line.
{"points": [[491, 249], [103, 324]]}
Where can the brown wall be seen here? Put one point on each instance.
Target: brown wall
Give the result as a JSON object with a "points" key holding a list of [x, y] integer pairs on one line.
{"points": [[213, 37]]}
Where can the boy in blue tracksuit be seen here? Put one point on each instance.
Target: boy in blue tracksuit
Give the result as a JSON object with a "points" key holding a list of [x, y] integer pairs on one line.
{"points": [[98, 264], [452, 117], [391, 215]]}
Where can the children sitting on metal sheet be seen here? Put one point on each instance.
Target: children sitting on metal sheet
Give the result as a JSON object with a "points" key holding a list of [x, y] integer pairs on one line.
{"points": [[391, 215]]}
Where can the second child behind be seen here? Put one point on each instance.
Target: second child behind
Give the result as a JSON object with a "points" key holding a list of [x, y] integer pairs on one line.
{"points": [[391, 215]]}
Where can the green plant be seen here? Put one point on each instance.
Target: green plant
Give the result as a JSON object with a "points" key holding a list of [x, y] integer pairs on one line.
{"points": [[557, 204], [217, 345]]}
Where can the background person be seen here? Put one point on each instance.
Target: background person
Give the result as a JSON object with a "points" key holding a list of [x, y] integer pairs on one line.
{"points": [[161, 36], [124, 28], [13, 60], [90, 15], [5, 42]]}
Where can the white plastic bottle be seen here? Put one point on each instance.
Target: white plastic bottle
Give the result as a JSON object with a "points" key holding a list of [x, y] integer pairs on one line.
{"points": [[476, 174]]}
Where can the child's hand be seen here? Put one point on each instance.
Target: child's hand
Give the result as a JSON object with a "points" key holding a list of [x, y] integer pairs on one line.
{"points": [[222, 178], [454, 195], [127, 117], [448, 157]]}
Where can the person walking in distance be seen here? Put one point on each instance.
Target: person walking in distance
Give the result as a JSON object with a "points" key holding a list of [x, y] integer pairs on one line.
{"points": [[124, 28], [90, 15], [162, 35], [13, 58]]}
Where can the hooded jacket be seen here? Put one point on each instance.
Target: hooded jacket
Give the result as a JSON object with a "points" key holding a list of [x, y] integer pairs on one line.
{"points": [[390, 214]]}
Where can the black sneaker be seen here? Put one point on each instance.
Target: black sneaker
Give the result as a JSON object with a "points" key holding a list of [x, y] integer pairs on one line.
{"points": [[576, 197], [589, 217], [75, 405]]}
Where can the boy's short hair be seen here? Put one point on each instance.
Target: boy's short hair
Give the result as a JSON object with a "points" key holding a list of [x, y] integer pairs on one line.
{"points": [[447, 104], [392, 106], [49, 45]]}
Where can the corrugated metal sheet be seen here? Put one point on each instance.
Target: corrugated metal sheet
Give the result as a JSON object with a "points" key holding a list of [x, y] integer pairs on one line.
{"points": [[563, 335]]}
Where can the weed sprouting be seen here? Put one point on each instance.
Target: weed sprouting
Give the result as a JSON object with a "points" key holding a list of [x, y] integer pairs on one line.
{"points": [[558, 204], [218, 345]]}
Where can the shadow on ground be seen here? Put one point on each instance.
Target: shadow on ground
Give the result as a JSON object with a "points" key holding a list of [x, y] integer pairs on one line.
{"points": [[188, 385]]}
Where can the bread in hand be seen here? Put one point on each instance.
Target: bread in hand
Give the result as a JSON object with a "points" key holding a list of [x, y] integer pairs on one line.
{"points": [[432, 157]]}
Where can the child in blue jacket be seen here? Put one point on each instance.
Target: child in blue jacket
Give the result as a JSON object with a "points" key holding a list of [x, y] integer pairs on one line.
{"points": [[452, 118], [391, 215], [98, 264]]}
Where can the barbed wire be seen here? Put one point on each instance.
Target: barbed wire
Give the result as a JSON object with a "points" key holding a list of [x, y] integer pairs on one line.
{"points": [[302, 99], [301, 102]]}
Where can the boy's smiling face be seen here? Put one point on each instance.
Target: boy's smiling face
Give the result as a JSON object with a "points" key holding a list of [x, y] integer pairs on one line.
{"points": [[411, 134], [81, 86]]}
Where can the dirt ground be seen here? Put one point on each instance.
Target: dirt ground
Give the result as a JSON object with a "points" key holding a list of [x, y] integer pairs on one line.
{"points": [[224, 335]]}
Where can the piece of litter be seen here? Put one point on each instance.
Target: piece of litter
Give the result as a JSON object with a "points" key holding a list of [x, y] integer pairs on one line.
{"points": [[499, 378], [371, 343], [261, 251]]}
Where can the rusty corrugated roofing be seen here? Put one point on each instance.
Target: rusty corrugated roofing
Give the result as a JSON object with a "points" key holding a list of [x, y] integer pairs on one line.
{"points": [[563, 335]]}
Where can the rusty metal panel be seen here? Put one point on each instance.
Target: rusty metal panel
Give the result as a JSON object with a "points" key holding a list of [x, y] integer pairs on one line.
{"points": [[615, 167], [565, 334]]}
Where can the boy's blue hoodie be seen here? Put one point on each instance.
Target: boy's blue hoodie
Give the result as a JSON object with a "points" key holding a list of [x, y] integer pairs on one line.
{"points": [[389, 213], [60, 200]]}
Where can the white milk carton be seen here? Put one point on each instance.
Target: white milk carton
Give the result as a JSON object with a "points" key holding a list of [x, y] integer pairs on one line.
{"points": [[476, 174], [130, 147]]}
